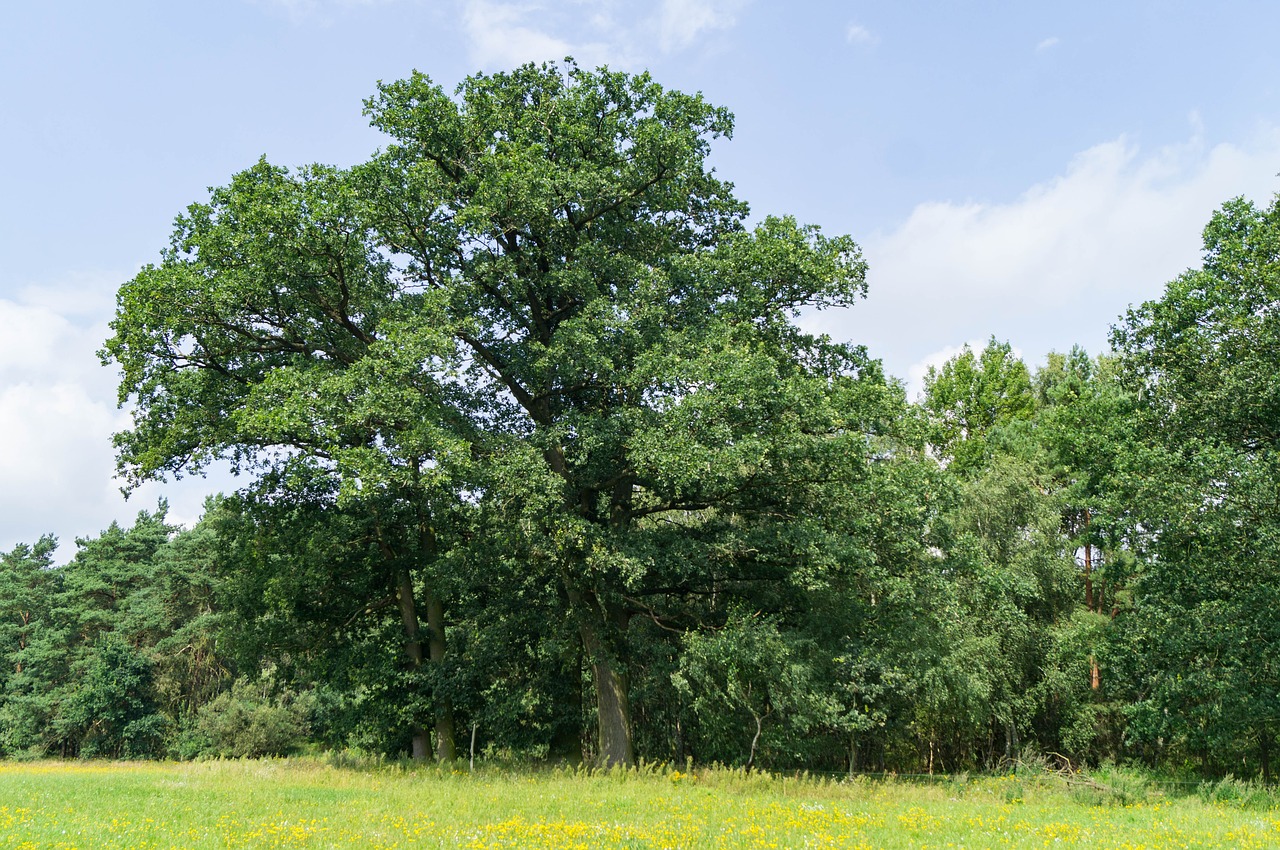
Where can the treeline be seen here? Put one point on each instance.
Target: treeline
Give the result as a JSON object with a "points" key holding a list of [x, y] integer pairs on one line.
{"points": [[539, 458]]}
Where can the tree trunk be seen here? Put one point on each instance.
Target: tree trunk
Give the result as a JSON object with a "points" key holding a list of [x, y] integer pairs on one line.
{"points": [[597, 620], [751, 758], [446, 751], [613, 706], [1011, 743], [413, 648], [445, 748], [613, 710]]}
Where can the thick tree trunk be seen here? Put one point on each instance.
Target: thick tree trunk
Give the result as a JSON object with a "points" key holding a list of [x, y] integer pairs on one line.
{"points": [[436, 648], [413, 648], [613, 706], [445, 748], [614, 715], [596, 619], [420, 748]]}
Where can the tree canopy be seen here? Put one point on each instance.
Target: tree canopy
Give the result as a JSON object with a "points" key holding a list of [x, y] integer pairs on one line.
{"points": [[1202, 363], [537, 298], [537, 458]]}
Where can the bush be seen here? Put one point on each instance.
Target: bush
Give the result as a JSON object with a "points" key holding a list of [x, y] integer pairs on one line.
{"points": [[146, 736], [1237, 793], [246, 722], [187, 741]]}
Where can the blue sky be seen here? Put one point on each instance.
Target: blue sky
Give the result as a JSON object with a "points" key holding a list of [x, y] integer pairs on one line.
{"points": [[1026, 170]]}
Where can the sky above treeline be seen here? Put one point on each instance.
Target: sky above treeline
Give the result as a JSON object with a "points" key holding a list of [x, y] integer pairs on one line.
{"points": [[1022, 170]]}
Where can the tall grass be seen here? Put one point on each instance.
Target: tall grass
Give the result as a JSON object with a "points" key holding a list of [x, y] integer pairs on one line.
{"points": [[352, 802]]}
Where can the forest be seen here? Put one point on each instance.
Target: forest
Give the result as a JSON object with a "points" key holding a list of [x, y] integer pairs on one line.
{"points": [[539, 464]]}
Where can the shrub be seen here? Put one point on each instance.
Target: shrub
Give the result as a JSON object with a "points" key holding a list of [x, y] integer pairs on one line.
{"points": [[247, 722], [1236, 793]]}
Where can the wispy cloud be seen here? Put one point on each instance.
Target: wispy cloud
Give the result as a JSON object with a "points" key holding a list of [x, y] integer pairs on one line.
{"points": [[503, 33], [1114, 210], [856, 33], [1047, 43], [500, 34], [1058, 264], [682, 22]]}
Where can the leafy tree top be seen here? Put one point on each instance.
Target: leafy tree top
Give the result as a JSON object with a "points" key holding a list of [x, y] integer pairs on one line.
{"points": [[971, 394]]}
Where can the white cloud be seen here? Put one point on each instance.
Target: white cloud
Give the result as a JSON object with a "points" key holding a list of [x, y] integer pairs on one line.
{"points": [[1049, 42], [858, 34], [1114, 216], [57, 414], [595, 32], [500, 36], [54, 434], [80, 296], [1057, 265], [681, 22]]}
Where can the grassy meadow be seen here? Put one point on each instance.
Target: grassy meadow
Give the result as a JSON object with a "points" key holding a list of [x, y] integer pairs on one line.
{"points": [[310, 803]]}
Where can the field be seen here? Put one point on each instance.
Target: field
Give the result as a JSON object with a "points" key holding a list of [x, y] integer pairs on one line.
{"points": [[309, 803]]}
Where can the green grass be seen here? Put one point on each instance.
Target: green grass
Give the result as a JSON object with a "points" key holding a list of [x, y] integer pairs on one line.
{"points": [[309, 803]]}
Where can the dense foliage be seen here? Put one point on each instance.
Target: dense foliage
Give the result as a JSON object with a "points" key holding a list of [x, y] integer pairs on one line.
{"points": [[539, 462]]}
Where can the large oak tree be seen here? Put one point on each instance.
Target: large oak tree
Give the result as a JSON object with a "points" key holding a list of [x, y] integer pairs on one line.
{"points": [[539, 298]]}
